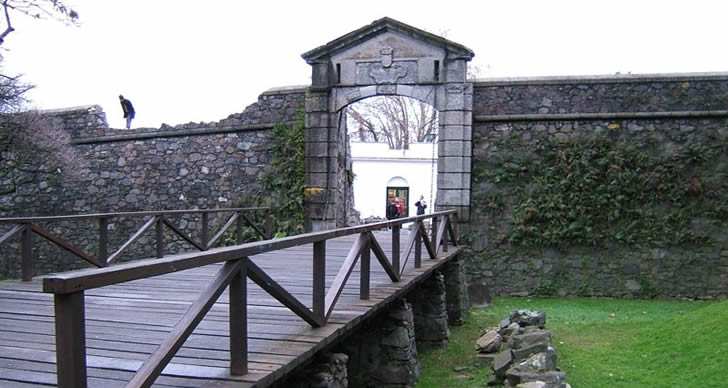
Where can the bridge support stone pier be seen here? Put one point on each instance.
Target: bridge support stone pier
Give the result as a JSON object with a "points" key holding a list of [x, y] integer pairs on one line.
{"points": [[383, 353], [430, 313], [456, 292], [328, 371]]}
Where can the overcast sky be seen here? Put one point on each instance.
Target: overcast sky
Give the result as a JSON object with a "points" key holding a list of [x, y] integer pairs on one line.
{"points": [[181, 60]]}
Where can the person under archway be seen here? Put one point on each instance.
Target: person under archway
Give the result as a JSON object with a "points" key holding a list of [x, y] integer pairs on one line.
{"points": [[392, 212], [421, 205], [400, 207]]}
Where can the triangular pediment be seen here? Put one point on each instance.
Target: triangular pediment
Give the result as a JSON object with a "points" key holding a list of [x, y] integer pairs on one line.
{"points": [[400, 34]]}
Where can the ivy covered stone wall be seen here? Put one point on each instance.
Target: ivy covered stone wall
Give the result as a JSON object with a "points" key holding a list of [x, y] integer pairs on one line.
{"points": [[603, 186], [194, 165]]}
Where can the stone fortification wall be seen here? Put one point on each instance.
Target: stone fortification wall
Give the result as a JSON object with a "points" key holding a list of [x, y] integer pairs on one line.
{"points": [[600, 94], [188, 166], [679, 120]]}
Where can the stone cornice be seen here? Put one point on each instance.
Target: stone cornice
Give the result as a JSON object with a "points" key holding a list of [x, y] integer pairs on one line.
{"points": [[174, 133], [601, 79], [322, 53], [602, 116]]}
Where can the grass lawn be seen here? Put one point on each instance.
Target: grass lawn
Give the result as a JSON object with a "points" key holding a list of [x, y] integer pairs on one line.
{"points": [[602, 343]]}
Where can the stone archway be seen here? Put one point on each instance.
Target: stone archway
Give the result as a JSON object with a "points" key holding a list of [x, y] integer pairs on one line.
{"points": [[385, 58]]}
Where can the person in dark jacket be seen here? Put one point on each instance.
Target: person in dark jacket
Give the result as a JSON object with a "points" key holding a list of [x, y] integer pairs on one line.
{"points": [[421, 205], [392, 211], [128, 110]]}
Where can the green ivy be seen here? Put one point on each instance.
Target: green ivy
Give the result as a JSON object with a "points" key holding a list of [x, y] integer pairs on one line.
{"points": [[545, 288], [282, 184], [283, 181], [596, 190]]}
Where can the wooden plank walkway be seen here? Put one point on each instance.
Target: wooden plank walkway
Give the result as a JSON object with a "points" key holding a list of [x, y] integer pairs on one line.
{"points": [[126, 322]]}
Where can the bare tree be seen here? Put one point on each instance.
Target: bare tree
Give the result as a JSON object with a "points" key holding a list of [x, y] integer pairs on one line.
{"points": [[31, 145], [37, 9], [12, 93], [32, 142], [397, 120]]}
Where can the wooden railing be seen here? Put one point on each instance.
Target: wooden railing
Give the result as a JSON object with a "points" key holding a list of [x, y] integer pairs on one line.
{"points": [[26, 227], [68, 289]]}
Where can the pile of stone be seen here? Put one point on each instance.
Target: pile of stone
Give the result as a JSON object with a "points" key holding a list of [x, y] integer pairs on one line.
{"points": [[520, 352]]}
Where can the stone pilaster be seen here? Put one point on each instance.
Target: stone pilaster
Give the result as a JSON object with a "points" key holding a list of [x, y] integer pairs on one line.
{"points": [[321, 152], [455, 149]]}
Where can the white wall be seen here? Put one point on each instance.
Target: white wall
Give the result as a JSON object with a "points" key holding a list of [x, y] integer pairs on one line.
{"points": [[374, 165]]}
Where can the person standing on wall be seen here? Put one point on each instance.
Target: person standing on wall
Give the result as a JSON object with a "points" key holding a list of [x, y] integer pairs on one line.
{"points": [[421, 205], [128, 110]]}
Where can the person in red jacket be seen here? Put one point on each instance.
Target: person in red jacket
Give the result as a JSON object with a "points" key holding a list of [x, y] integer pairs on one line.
{"points": [[400, 206]]}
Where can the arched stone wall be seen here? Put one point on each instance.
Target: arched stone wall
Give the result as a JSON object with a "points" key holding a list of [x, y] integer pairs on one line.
{"points": [[385, 58]]}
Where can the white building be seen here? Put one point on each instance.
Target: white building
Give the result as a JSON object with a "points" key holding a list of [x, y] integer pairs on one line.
{"points": [[381, 172]]}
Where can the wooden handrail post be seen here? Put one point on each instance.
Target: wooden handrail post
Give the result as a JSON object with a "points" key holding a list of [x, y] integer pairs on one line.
{"points": [[395, 248], [239, 228], [238, 298], [205, 227], [446, 220], [26, 253], [160, 235], [70, 340], [455, 227], [268, 224], [364, 265], [433, 232], [103, 240], [418, 249], [319, 278]]}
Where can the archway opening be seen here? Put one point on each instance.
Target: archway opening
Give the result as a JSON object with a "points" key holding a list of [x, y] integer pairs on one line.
{"points": [[393, 151]]}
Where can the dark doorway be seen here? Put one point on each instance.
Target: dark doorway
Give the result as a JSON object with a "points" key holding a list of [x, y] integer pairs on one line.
{"points": [[399, 192]]}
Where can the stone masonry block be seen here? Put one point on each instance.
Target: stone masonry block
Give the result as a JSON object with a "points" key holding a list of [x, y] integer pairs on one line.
{"points": [[317, 119], [452, 132], [386, 89], [453, 164], [317, 101], [317, 165], [319, 195], [405, 90], [468, 117], [456, 71], [316, 134], [321, 225], [455, 102], [319, 74], [317, 149], [453, 117], [453, 197], [317, 179], [454, 148], [426, 94], [368, 91], [452, 181], [319, 211]]}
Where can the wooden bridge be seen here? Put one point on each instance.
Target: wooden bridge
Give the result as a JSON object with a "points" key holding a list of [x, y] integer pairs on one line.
{"points": [[162, 322]]}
